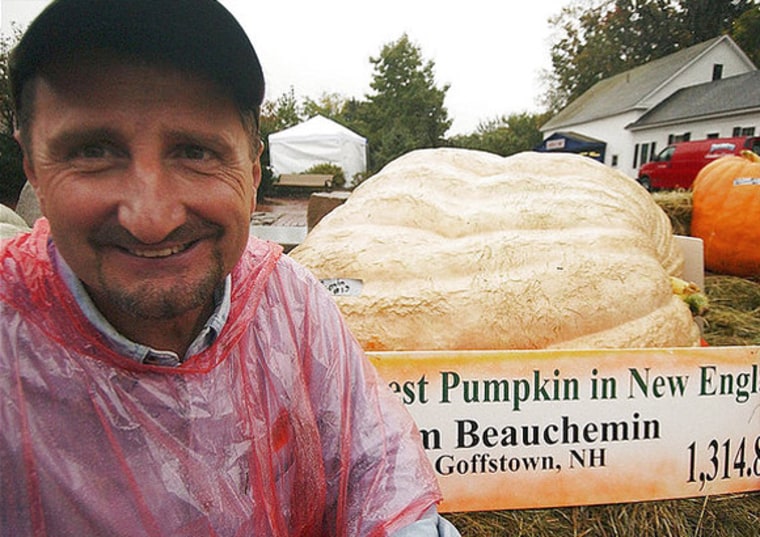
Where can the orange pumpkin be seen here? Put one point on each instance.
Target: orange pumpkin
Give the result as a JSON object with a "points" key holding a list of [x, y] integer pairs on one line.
{"points": [[726, 207]]}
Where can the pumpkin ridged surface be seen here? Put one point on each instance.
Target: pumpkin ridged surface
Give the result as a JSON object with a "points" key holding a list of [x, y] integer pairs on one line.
{"points": [[726, 205], [462, 249]]}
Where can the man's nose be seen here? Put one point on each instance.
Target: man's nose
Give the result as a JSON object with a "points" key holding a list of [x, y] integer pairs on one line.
{"points": [[152, 206]]}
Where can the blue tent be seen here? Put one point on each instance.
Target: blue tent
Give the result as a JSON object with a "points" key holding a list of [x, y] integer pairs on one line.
{"points": [[572, 142]]}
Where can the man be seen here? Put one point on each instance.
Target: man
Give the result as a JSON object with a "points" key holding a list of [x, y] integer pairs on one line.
{"points": [[160, 372]]}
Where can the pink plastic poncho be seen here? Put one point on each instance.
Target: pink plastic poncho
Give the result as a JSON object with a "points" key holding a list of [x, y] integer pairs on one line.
{"points": [[280, 428]]}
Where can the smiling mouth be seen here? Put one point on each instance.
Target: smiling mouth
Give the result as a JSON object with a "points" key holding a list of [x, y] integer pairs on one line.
{"points": [[164, 252]]}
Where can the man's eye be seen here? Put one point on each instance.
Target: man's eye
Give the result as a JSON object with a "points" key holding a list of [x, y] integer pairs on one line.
{"points": [[92, 151], [195, 152]]}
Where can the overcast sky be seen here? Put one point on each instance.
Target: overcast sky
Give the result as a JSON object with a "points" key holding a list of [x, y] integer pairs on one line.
{"points": [[490, 52]]}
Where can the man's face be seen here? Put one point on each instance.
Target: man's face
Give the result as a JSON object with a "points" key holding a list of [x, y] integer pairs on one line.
{"points": [[146, 177]]}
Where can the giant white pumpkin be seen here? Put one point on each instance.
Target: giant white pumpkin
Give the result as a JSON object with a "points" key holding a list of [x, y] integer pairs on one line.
{"points": [[460, 249], [10, 223]]}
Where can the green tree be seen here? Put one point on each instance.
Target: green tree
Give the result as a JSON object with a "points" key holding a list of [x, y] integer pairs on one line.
{"points": [[329, 105], [706, 19], [505, 135], [405, 110], [282, 113], [11, 169], [746, 33]]}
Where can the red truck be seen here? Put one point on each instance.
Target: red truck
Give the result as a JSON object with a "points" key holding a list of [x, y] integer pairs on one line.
{"points": [[677, 165]]}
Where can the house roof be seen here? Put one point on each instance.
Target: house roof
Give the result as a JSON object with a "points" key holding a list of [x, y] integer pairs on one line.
{"points": [[721, 97], [627, 91]]}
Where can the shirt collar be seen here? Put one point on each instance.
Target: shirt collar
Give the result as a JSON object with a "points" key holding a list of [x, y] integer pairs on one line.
{"points": [[138, 351]]}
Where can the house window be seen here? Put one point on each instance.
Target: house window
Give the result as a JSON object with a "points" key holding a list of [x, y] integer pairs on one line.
{"points": [[614, 161], [636, 156], [744, 131], [713, 135], [675, 138], [644, 153], [717, 71]]}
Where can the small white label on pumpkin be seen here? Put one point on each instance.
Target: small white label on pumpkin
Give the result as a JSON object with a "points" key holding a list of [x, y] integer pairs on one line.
{"points": [[747, 181], [343, 286]]}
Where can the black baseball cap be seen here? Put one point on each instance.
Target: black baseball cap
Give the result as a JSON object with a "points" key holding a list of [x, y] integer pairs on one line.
{"points": [[195, 36]]}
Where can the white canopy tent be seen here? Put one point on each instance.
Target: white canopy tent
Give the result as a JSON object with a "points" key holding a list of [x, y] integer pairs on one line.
{"points": [[316, 141]]}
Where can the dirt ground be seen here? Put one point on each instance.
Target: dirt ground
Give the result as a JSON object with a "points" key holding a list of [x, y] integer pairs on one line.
{"points": [[282, 211]]}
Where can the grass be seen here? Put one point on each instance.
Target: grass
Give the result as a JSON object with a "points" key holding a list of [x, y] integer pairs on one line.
{"points": [[735, 515]]}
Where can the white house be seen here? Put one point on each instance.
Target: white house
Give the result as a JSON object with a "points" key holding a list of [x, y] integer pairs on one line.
{"points": [[708, 90], [718, 109]]}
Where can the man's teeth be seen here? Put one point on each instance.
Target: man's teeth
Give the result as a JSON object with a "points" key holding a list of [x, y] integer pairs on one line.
{"points": [[159, 253]]}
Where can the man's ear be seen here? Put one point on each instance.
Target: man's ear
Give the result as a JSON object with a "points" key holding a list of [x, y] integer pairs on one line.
{"points": [[256, 181], [256, 176], [31, 176]]}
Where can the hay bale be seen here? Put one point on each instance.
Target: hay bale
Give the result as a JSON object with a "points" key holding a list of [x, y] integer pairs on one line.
{"points": [[734, 314], [677, 205]]}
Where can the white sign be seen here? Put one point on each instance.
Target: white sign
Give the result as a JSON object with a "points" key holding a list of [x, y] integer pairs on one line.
{"points": [[532, 429]]}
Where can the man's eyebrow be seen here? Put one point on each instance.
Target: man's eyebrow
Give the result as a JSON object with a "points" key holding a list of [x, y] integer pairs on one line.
{"points": [[64, 140], [213, 139]]}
